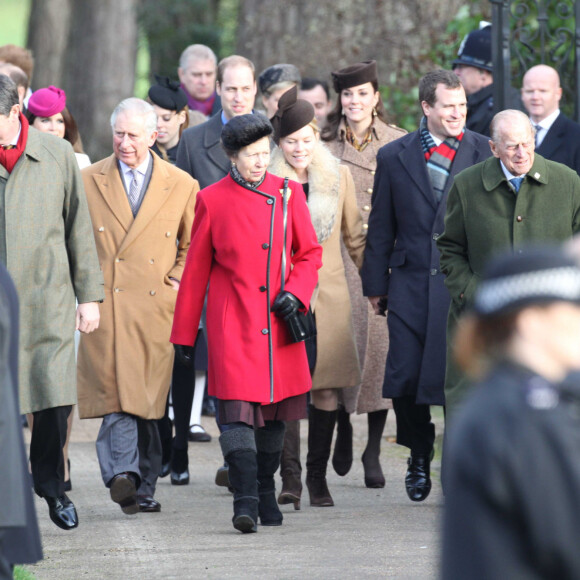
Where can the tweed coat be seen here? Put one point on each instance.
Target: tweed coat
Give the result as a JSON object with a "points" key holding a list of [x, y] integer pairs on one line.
{"points": [[372, 336], [19, 535], [126, 365], [335, 216], [236, 246], [485, 217], [402, 262], [47, 247]]}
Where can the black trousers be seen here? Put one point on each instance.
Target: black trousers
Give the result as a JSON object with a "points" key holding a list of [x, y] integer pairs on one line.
{"points": [[414, 427], [46, 457]]}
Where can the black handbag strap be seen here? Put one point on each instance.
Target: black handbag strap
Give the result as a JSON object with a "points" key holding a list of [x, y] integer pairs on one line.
{"points": [[285, 223]]}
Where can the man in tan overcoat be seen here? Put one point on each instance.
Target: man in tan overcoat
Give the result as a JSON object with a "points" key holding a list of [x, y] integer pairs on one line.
{"points": [[46, 246], [142, 211]]}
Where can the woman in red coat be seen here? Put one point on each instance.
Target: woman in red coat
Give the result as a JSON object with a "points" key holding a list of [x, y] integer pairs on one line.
{"points": [[259, 376]]}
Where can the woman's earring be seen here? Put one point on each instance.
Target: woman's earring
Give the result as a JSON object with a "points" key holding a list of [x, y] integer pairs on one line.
{"points": [[343, 113], [374, 111], [233, 163]]}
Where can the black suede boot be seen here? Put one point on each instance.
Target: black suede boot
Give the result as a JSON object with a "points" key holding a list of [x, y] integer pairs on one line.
{"points": [[342, 456], [320, 431], [290, 467], [374, 477], [269, 442], [239, 450]]}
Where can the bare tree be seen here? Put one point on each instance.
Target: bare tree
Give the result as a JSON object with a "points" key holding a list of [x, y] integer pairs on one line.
{"points": [[47, 37], [100, 66]]}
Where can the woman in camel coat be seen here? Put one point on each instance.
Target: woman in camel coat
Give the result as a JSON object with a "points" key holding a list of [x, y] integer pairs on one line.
{"points": [[332, 204], [355, 132]]}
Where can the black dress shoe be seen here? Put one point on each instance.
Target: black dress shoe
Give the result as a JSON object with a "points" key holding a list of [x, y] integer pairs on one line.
{"points": [[418, 477], [148, 504], [124, 492], [62, 512], [198, 436], [165, 469]]}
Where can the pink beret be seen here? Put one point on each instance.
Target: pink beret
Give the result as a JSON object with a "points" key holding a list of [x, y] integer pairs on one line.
{"points": [[47, 102]]}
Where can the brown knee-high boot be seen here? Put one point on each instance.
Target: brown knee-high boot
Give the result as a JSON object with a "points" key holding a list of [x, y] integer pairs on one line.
{"points": [[320, 429], [290, 467]]}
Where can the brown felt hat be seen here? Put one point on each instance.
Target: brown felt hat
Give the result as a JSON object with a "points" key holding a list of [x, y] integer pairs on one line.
{"points": [[355, 75], [292, 114]]}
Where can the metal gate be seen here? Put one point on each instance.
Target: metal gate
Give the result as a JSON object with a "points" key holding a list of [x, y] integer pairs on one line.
{"points": [[530, 32]]}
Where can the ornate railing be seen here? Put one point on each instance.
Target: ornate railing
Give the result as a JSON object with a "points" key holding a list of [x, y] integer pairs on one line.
{"points": [[530, 32]]}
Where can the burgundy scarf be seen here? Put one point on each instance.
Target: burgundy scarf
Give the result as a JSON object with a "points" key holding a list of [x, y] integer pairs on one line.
{"points": [[9, 157]]}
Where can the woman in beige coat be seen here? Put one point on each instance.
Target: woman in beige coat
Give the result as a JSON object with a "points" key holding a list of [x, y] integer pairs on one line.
{"points": [[331, 200], [355, 132]]}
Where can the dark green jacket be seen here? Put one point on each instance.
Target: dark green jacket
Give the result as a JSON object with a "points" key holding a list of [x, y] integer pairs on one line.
{"points": [[485, 216]]}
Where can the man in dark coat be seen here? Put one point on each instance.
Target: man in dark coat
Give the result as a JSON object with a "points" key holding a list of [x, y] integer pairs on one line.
{"points": [[19, 535], [474, 67], [200, 153], [401, 260], [557, 137], [513, 198]]}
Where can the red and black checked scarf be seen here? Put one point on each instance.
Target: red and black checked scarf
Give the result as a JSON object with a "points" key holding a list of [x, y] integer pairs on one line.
{"points": [[439, 159], [9, 157]]}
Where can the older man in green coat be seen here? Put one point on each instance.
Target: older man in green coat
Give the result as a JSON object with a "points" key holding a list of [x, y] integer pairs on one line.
{"points": [[47, 245], [513, 198]]}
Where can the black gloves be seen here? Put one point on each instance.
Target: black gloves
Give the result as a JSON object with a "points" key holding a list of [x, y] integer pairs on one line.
{"points": [[285, 305], [184, 354]]}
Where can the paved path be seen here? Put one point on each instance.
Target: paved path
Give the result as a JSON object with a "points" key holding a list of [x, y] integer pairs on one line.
{"points": [[370, 533]]}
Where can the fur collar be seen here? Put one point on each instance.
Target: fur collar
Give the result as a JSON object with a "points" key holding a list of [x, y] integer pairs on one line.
{"points": [[323, 183]]}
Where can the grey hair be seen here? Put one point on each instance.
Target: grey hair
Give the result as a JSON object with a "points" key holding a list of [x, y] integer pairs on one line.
{"points": [[196, 52], [8, 94], [139, 107], [507, 114]]}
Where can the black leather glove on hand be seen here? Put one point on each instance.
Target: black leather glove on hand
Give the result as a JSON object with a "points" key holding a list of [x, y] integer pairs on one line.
{"points": [[286, 304], [184, 354]]}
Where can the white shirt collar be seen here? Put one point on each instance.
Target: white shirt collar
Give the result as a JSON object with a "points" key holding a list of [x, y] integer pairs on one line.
{"points": [[436, 139], [508, 174], [548, 121], [15, 139], [142, 169]]}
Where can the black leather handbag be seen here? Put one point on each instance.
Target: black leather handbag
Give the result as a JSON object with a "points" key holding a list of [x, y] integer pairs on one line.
{"points": [[301, 325]]}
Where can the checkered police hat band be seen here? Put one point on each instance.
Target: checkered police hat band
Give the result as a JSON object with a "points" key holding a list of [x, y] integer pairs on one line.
{"points": [[552, 284]]}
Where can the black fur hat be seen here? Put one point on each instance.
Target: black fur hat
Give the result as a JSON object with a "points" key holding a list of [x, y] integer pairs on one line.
{"points": [[244, 130]]}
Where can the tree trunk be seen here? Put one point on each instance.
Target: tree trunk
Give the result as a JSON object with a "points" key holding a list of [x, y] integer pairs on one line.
{"points": [[172, 25], [326, 35], [100, 67], [48, 28]]}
